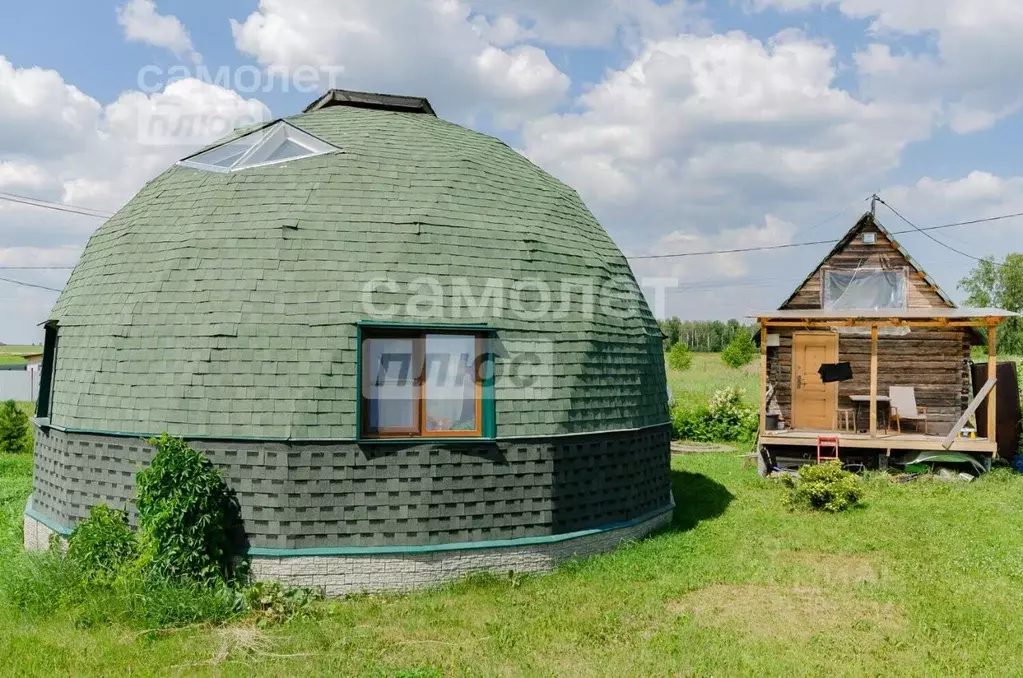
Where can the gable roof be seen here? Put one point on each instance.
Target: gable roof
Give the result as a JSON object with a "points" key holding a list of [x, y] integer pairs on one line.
{"points": [[866, 220]]}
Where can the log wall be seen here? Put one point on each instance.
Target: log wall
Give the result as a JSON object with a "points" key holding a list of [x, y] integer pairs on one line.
{"points": [[934, 362]]}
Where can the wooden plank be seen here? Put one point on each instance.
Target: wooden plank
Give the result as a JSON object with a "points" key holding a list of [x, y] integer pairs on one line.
{"points": [[873, 381], [917, 442], [989, 387], [992, 371], [763, 378]]}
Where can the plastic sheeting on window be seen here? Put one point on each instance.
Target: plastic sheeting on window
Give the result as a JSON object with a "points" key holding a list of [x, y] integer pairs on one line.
{"points": [[863, 289]]}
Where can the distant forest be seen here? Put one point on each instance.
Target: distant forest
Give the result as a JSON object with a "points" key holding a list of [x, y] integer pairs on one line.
{"points": [[703, 336]]}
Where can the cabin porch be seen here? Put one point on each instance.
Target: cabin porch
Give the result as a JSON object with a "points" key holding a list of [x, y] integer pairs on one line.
{"points": [[931, 367], [883, 442]]}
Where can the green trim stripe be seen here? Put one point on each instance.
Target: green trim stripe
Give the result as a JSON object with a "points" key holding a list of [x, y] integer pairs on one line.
{"points": [[401, 550], [369, 441]]}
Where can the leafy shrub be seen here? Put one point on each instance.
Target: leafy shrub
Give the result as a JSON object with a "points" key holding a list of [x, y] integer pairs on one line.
{"points": [[102, 545], [740, 351], [679, 357], [14, 429], [823, 487], [274, 603], [727, 418], [182, 503]]}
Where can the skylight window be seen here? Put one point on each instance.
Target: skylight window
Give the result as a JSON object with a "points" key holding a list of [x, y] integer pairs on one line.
{"points": [[280, 142]]}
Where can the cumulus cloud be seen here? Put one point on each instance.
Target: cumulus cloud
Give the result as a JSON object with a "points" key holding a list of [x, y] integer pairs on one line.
{"points": [[592, 24], [104, 155], [969, 62], [141, 22], [432, 48], [725, 127]]}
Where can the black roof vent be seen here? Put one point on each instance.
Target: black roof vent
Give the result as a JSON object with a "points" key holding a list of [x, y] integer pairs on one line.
{"points": [[380, 102]]}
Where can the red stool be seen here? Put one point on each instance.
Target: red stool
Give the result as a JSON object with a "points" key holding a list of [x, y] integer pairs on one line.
{"points": [[823, 444]]}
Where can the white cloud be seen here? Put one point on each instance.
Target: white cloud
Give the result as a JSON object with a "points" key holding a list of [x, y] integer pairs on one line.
{"points": [[972, 66], [143, 23], [723, 126], [61, 145], [593, 24], [433, 48]]}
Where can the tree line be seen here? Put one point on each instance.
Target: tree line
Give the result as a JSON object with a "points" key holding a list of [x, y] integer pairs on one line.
{"points": [[703, 336]]}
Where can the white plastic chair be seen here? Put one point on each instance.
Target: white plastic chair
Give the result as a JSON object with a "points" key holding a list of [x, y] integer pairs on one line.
{"points": [[903, 407]]}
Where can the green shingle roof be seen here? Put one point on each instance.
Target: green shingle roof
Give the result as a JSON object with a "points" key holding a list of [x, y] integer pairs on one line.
{"points": [[225, 305]]}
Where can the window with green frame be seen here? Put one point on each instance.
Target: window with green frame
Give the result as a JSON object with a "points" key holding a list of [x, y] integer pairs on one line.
{"points": [[425, 383]]}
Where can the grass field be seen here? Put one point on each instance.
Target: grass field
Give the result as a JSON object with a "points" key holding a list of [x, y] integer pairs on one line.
{"points": [[12, 355], [923, 580], [708, 374]]}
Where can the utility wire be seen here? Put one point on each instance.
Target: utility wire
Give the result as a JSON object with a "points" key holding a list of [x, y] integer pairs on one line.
{"points": [[762, 248], [32, 285], [917, 228], [46, 204]]}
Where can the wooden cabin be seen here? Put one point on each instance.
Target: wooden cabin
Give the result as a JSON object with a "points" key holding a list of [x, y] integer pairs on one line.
{"points": [[869, 304]]}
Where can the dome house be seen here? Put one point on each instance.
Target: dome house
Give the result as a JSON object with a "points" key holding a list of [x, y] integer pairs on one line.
{"points": [[411, 353]]}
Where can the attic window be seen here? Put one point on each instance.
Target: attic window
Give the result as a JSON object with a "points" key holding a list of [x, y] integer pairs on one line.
{"points": [[864, 288], [280, 142]]}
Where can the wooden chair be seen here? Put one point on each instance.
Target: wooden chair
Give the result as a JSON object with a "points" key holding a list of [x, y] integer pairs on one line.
{"points": [[825, 443], [844, 419], [903, 407]]}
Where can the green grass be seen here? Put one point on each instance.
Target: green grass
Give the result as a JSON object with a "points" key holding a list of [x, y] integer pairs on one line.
{"points": [[708, 374], [924, 579]]}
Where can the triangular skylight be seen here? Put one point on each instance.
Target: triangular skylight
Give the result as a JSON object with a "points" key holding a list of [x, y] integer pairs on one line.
{"points": [[279, 142]]}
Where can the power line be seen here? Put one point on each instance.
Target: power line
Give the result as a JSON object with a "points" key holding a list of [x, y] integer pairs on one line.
{"points": [[762, 248], [27, 284], [60, 207], [37, 268], [917, 228]]}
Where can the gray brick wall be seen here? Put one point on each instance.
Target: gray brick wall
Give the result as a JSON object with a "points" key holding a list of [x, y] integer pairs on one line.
{"points": [[343, 494]]}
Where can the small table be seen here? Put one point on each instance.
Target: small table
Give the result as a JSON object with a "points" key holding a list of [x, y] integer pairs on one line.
{"points": [[860, 399]]}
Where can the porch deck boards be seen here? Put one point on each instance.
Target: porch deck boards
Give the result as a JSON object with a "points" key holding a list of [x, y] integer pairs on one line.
{"points": [[883, 441]]}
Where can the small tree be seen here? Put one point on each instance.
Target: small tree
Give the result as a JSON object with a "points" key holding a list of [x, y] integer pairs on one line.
{"points": [[740, 351], [13, 429], [679, 357]]}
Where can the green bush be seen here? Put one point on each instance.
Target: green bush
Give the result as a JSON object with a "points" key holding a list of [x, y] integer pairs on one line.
{"points": [[740, 351], [679, 357], [727, 418], [102, 545], [823, 487], [182, 503], [14, 429]]}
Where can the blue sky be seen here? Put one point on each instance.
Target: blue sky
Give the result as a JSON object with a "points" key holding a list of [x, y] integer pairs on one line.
{"points": [[685, 126]]}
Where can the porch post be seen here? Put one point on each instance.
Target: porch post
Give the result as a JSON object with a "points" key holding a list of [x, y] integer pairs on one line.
{"points": [[873, 381], [763, 375], [992, 369]]}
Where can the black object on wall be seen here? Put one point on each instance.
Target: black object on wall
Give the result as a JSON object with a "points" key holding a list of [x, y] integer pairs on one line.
{"points": [[1008, 411]]}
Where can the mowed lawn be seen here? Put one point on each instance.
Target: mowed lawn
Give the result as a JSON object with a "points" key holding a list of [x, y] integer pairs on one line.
{"points": [[708, 374], [924, 579]]}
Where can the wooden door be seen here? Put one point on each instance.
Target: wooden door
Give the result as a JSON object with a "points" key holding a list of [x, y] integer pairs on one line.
{"points": [[813, 401]]}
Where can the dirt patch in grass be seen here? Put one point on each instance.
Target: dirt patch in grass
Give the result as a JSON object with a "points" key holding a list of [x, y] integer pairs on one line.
{"points": [[832, 568], [795, 612], [686, 447]]}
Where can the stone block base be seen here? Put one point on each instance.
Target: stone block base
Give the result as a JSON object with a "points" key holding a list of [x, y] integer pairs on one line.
{"points": [[339, 575], [37, 535]]}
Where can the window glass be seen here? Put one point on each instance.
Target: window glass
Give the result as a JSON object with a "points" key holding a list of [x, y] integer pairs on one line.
{"points": [[425, 383], [391, 385], [450, 393], [279, 142], [864, 289]]}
